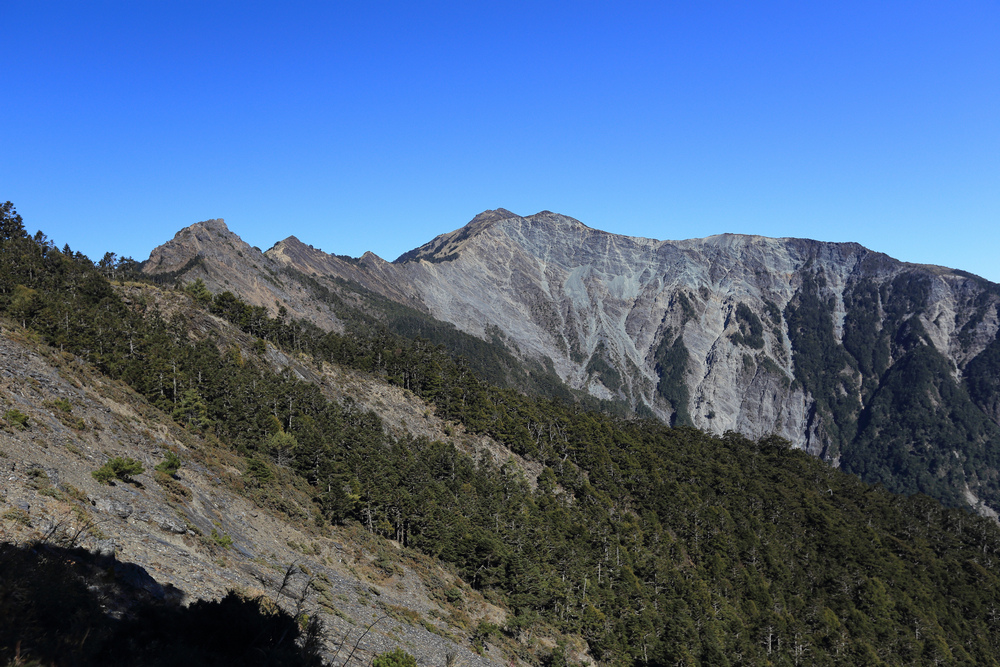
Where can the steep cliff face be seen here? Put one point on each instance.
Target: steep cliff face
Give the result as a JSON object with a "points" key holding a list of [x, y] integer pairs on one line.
{"points": [[883, 367], [611, 310]]}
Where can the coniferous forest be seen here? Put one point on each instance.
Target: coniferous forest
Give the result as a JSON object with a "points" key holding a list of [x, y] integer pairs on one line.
{"points": [[656, 545]]}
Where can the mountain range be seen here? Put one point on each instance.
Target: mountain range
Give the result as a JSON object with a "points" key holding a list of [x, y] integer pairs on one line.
{"points": [[290, 457], [883, 368]]}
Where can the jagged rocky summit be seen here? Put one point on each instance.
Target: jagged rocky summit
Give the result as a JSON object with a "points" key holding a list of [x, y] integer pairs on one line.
{"points": [[885, 368]]}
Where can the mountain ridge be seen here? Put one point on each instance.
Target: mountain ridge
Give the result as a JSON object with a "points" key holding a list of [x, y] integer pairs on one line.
{"points": [[730, 332], [637, 543]]}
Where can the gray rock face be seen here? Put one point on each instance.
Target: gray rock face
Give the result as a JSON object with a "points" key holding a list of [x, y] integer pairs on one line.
{"points": [[695, 331], [112, 506], [170, 525], [560, 290]]}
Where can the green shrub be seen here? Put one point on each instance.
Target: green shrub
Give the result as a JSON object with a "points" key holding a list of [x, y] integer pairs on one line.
{"points": [[118, 468], [16, 418], [170, 465], [259, 472], [485, 630], [395, 658], [198, 291], [222, 540]]}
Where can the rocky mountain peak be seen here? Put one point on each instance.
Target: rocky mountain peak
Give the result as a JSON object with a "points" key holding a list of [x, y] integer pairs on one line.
{"points": [[214, 223], [370, 258], [557, 221], [196, 240], [500, 222], [495, 215], [291, 249], [224, 262], [446, 247], [205, 229], [205, 232]]}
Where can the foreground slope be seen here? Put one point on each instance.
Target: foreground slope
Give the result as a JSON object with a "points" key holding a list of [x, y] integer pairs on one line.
{"points": [[192, 537]]}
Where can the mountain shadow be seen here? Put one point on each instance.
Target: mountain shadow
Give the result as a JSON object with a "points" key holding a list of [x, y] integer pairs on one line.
{"points": [[68, 607]]}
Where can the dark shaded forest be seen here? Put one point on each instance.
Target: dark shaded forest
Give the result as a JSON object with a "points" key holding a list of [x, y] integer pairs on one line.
{"points": [[887, 400]]}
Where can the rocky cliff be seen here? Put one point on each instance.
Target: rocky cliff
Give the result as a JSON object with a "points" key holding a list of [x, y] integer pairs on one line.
{"points": [[883, 367]]}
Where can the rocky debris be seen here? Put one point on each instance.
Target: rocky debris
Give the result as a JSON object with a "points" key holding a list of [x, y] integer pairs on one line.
{"points": [[112, 506], [170, 525]]}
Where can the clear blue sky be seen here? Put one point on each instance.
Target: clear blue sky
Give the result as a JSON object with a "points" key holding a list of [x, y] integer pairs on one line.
{"points": [[378, 125]]}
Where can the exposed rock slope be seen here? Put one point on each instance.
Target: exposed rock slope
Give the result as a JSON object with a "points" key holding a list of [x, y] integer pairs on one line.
{"points": [[830, 345], [170, 541], [209, 251]]}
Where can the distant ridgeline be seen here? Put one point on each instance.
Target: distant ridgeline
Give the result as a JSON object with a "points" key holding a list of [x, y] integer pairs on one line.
{"points": [[886, 369], [655, 545]]}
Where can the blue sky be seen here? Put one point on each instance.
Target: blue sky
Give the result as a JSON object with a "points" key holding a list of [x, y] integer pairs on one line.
{"points": [[378, 125]]}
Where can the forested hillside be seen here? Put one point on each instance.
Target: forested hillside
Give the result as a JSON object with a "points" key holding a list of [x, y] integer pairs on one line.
{"points": [[655, 545]]}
